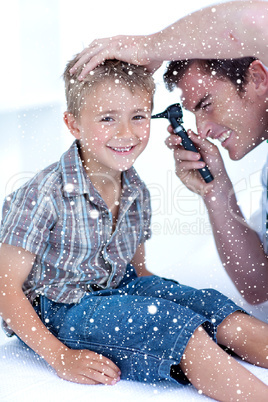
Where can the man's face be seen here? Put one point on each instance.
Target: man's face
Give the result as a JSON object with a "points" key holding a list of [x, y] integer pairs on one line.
{"points": [[235, 119]]}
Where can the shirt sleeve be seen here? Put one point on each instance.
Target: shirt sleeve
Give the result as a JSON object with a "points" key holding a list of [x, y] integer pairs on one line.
{"points": [[27, 218]]}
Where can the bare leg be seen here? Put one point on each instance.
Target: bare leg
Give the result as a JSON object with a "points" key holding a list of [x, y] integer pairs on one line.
{"points": [[246, 336], [216, 374]]}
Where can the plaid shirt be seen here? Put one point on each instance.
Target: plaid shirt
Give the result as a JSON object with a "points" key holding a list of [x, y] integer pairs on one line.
{"points": [[61, 218]]}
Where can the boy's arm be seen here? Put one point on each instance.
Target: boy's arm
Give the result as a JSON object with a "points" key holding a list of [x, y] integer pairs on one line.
{"points": [[138, 261], [82, 366]]}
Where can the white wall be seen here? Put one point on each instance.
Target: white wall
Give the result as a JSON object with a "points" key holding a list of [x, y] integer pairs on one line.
{"points": [[37, 39]]}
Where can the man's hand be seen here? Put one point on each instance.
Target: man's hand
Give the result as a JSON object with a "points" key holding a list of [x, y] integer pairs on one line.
{"points": [[86, 367], [187, 163], [137, 50]]}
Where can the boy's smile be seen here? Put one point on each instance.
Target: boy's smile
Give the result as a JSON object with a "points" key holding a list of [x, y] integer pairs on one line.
{"points": [[113, 127]]}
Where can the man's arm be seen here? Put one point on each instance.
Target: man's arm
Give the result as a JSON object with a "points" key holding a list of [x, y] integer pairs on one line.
{"points": [[82, 366], [239, 247], [225, 30]]}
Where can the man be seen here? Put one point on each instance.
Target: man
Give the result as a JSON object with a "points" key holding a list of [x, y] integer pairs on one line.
{"points": [[230, 100]]}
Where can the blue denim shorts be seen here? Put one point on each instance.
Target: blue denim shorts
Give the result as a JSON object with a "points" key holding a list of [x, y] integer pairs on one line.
{"points": [[143, 325]]}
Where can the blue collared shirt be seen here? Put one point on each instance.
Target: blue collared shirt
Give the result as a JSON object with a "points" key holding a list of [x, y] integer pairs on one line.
{"points": [[61, 218]]}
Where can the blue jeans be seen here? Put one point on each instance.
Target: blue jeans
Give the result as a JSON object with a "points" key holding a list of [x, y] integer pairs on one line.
{"points": [[143, 326]]}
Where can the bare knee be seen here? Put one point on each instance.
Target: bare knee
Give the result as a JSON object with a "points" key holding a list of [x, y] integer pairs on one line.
{"points": [[246, 336], [238, 326], [197, 346]]}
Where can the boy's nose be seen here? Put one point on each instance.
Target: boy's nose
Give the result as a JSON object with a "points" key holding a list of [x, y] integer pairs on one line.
{"points": [[125, 131]]}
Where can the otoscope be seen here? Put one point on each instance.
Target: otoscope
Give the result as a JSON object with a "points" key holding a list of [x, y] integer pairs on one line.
{"points": [[174, 114]]}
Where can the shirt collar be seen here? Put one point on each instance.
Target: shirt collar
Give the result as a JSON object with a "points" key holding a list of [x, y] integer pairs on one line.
{"points": [[74, 182]]}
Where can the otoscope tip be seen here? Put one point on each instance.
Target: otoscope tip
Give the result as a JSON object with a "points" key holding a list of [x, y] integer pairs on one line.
{"points": [[159, 115]]}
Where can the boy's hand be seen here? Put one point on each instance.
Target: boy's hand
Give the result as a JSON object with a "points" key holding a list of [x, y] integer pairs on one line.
{"points": [[137, 50], [187, 163], [86, 367]]}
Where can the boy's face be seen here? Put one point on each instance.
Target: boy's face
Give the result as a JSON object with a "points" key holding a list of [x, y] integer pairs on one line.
{"points": [[222, 114], [113, 127]]}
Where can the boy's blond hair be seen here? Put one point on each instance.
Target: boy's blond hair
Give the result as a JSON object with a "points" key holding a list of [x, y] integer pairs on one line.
{"points": [[129, 75]]}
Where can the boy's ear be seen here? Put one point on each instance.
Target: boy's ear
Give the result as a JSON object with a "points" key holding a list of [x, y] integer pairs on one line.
{"points": [[259, 77], [72, 125]]}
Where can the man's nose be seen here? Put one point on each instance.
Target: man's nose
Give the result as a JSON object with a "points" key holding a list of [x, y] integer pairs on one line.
{"points": [[204, 127]]}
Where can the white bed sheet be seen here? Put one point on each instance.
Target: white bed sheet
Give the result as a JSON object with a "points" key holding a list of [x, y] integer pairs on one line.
{"points": [[24, 376]]}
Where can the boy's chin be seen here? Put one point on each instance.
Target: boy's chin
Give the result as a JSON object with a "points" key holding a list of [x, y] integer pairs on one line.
{"points": [[125, 166]]}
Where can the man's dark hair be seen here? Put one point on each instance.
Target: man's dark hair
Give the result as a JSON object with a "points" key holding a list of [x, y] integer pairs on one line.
{"points": [[235, 70]]}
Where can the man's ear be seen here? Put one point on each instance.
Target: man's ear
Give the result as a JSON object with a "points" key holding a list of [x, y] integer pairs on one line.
{"points": [[72, 125], [259, 77]]}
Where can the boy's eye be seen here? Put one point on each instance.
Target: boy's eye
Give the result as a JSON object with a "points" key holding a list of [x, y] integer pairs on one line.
{"points": [[107, 118], [138, 117]]}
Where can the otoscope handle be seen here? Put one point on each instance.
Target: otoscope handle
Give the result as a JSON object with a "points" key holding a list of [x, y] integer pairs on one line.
{"points": [[174, 114], [189, 146]]}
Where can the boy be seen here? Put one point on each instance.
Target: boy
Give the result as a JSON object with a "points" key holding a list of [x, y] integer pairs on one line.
{"points": [[74, 286]]}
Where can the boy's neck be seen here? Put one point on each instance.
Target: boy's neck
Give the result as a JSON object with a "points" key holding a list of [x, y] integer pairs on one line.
{"points": [[109, 187], [108, 183], [110, 191], [104, 182]]}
